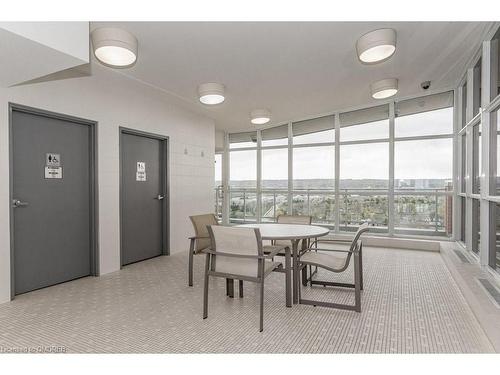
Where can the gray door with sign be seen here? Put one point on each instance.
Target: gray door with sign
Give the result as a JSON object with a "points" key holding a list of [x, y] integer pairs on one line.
{"points": [[51, 198], [143, 196]]}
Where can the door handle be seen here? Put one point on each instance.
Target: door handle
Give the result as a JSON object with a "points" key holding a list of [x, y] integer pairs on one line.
{"points": [[17, 203], [160, 197]]}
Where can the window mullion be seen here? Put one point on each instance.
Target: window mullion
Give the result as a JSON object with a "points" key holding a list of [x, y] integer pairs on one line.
{"points": [[390, 200], [337, 172]]}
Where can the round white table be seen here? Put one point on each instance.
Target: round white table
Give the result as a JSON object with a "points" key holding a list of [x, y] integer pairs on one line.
{"points": [[293, 233]]}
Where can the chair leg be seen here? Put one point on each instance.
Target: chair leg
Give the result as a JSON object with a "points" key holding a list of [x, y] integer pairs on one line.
{"points": [[361, 266], [230, 288], [299, 290], [357, 283], [304, 276], [261, 305], [241, 288], [205, 288], [288, 277], [190, 266]]}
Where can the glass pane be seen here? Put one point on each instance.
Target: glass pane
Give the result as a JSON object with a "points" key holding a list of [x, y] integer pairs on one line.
{"points": [[277, 136], [218, 170], [497, 67], [463, 166], [364, 116], [425, 103], [476, 226], [425, 123], [428, 215], [423, 164], [242, 207], [364, 166], [464, 104], [313, 167], [236, 207], [477, 89], [319, 130], [320, 206], [299, 204], [243, 169], [367, 131], [243, 140], [496, 185], [358, 209], [274, 204], [495, 249], [476, 170], [275, 169], [462, 219]]}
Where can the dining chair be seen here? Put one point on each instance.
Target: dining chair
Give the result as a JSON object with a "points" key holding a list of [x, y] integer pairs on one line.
{"points": [[336, 259], [200, 242], [304, 244], [237, 253], [293, 219]]}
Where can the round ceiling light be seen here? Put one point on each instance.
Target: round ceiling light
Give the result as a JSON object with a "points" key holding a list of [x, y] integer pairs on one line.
{"points": [[211, 93], [114, 47], [376, 46], [385, 88], [260, 116]]}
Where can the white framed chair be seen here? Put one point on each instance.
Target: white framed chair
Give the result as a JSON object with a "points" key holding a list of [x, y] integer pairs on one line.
{"points": [[200, 242], [304, 244], [336, 259], [237, 253], [293, 219]]}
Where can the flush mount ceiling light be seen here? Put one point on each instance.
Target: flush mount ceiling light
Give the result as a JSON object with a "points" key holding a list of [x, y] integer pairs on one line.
{"points": [[376, 46], [260, 116], [384, 88], [114, 47], [211, 93]]}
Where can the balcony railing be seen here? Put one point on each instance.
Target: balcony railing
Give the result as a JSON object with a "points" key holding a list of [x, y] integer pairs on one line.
{"points": [[416, 212]]}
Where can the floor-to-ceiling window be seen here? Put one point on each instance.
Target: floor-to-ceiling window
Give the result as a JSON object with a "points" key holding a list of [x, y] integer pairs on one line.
{"points": [[479, 156], [274, 196], [364, 169], [242, 177], [423, 165], [337, 169], [313, 169], [218, 190]]}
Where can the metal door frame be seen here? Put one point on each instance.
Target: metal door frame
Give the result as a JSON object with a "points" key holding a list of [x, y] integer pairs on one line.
{"points": [[93, 188], [164, 178]]}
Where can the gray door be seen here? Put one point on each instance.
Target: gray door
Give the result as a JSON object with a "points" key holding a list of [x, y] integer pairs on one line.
{"points": [[51, 200], [143, 172]]}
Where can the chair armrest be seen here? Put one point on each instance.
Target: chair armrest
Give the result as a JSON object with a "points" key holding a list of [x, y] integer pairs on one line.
{"points": [[198, 237], [275, 251], [329, 241], [219, 253], [336, 250]]}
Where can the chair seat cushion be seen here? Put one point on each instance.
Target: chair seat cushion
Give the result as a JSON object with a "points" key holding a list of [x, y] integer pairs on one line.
{"points": [[243, 267], [270, 248], [332, 261]]}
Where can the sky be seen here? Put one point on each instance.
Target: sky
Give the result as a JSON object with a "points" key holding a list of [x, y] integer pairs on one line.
{"points": [[422, 159]]}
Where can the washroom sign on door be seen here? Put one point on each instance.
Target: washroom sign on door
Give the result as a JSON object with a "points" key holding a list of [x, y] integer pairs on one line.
{"points": [[140, 174], [53, 168]]}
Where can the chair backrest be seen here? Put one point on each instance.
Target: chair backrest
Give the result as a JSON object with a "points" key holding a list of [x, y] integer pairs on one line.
{"points": [[294, 219], [362, 229], [236, 241], [200, 223]]}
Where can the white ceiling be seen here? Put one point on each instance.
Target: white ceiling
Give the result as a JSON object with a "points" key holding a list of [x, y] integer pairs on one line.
{"points": [[296, 70]]}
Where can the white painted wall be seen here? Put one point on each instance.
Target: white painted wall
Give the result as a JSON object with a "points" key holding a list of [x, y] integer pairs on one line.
{"points": [[115, 100], [219, 140], [71, 38]]}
